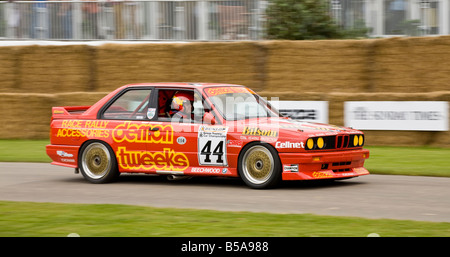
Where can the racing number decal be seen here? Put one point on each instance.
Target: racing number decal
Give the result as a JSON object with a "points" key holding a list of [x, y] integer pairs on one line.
{"points": [[218, 151], [211, 145]]}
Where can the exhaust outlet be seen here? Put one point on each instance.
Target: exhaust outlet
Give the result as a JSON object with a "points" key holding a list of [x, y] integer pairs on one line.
{"points": [[177, 177]]}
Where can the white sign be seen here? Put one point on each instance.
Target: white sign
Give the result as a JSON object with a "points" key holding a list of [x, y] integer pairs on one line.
{"points": [[212, 149], [401, 115], [314, 111]]}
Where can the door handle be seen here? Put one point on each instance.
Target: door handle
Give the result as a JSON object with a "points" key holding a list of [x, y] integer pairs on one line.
{"points": [[152, 130]]}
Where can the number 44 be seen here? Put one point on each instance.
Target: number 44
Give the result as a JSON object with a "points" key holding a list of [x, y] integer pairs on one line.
{"points": [[218, 151]]}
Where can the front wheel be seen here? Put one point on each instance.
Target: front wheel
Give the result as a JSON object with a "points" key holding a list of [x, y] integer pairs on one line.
{"points": [[98, 163], [259, 166]]}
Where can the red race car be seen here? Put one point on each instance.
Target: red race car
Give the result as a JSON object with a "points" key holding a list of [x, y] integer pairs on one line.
{"points": [[199, 129]]}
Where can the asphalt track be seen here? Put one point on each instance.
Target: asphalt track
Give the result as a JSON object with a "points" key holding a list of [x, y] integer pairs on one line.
{"points": [[372, 196]]}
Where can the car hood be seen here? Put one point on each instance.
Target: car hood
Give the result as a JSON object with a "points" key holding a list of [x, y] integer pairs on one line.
{"points": [[288, 127]]}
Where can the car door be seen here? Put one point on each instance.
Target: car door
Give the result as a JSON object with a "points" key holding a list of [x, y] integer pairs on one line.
{"points": [[168, 147], [189, 146], [126, 118]]}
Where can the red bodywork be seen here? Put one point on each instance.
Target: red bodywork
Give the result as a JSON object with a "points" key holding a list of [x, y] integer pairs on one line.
{"points": [[154, 146]]}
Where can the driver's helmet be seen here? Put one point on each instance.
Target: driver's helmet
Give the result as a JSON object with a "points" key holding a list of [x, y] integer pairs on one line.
{"points": [[180, 99]]}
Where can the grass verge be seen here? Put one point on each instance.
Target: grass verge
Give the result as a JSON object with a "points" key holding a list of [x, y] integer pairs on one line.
{"points": [[418, 161], [23, 150], [26, 219]]}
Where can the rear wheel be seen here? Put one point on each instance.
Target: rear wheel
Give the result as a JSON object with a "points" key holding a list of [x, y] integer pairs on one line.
{"points": [[259, 166], [98, 163]]}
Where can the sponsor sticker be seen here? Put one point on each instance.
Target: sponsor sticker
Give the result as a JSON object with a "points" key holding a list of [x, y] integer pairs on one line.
{"points": [[137, 133], [290, 168], [322, 174], [81, 128], [67, 160], [63, 154], [168, 160], [235, 143], [206, 170], [181, 140], [288, 144], [151, 113], [255, 131], [211, 145], [212, 91]]}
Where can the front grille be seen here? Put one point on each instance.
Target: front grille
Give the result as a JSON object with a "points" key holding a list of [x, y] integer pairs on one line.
{"points": [[341, 163], [338, 142], [340, 166], [342, 141]]}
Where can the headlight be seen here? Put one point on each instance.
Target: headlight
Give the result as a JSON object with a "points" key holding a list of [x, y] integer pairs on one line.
{"points": [[310, 144], [320, 143], [358, 140], [315, 143], [355, 140]]}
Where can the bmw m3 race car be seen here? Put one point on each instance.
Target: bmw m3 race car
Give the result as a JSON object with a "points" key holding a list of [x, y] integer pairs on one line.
{"points": [[199, 129]]}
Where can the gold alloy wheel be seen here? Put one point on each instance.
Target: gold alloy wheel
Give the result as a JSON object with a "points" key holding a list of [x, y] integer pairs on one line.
{"points": [[96, 161], [257, 164]]}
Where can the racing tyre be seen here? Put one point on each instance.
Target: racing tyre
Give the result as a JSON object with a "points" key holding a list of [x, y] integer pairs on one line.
{"points": [[97, 163], [259, 166]]}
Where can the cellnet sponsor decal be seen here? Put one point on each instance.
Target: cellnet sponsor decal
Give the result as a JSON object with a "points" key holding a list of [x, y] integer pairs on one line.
{"points": [[397, 115], [288, 144]]}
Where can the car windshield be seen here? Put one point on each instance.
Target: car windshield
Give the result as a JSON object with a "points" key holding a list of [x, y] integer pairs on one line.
{"points": [[238, 103]]}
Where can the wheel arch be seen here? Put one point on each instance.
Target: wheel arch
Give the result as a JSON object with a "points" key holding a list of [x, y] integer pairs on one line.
{"points": [[92, 141], [241, 152], [87, 142]]}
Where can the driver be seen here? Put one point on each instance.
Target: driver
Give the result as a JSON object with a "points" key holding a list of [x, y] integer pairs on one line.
{"points": [[182, 106]]}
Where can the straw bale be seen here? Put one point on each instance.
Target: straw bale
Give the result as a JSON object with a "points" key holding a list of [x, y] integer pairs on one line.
{"points": [[317, 66], [293, 96], [25, 116], [411, 64], [117, 65], [8, 69], [46, 69], [78, 98], [233, 62]]}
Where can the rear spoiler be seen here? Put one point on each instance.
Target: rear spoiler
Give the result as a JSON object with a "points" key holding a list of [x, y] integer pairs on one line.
{"points": [[63, 112]]}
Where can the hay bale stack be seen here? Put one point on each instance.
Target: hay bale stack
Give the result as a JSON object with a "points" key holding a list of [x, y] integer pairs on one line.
{"points": [[317, 66], [220, 62], [432, 62], [8, 69], [78, 98], [27, 115], [48, 69], [293, 96], [411, 64], [117, 65]]}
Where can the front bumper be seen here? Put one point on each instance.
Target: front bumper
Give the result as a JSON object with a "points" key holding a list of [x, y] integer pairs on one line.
{"points": [[324, 165]]}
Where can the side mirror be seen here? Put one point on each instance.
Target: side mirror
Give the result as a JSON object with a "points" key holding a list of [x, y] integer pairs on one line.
{"points": [[208, 118]]}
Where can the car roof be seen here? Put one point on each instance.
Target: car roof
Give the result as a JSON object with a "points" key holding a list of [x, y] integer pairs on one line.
{"points": [[182, 84]]}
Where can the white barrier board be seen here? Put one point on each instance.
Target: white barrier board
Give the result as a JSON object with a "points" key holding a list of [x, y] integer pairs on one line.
{"points": [[397, 115], [313, 111]]}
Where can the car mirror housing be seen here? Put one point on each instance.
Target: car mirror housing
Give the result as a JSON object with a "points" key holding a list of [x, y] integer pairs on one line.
{"points": [[208, 118]]}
